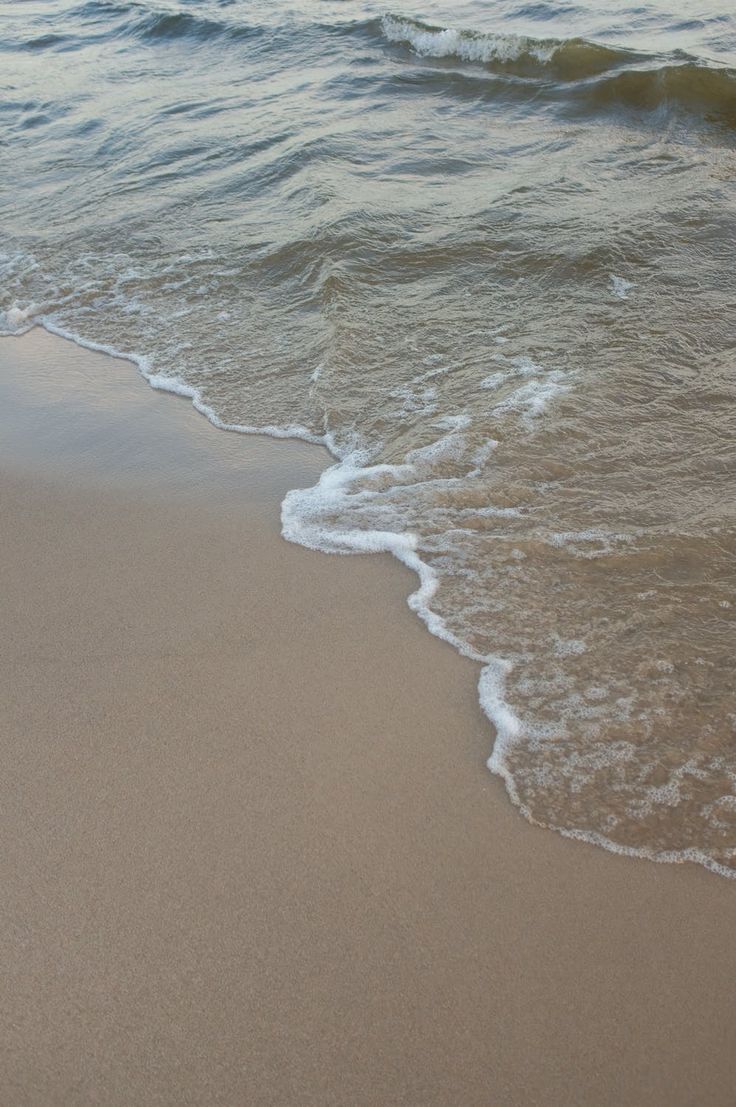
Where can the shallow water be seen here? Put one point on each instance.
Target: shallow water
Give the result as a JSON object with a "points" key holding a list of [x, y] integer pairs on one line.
{"points": [[483, 252]]}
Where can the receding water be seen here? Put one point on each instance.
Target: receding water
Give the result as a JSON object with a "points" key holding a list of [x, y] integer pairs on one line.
{"points": [[485, 252]]}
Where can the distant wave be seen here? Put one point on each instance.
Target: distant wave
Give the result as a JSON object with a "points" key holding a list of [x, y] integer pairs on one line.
{"points": [[606, 74], [145, 22]]}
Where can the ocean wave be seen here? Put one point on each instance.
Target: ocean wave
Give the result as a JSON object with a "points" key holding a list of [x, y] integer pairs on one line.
{"points": [[570, 59], [601, 75], [144, 22], [692, 85], [44, 42]]}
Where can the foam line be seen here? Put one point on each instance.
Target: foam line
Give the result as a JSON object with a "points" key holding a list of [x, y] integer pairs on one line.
{"points": [[300, 511]]}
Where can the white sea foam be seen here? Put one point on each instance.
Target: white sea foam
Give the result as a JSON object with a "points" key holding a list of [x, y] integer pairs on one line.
{"points": [[514, 367], [17, 319], [445, 42], [567, 647], [620, 287], [531, 398], [416, 400], [453, 422], [592, 543], [166, 383], [481, 456]]}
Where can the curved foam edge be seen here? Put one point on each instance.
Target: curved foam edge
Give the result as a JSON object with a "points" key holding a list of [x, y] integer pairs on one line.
{"points": [[296, 528], [443, 42]]}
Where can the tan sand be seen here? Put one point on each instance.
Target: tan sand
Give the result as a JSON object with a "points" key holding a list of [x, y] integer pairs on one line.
{"points": [[251, 854]]}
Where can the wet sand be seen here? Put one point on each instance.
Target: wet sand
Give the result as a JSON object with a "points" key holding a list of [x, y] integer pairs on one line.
{"points": [[251, 853]]}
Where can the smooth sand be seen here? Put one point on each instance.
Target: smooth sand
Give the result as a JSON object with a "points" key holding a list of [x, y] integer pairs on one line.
{"points": [[251, 854]]}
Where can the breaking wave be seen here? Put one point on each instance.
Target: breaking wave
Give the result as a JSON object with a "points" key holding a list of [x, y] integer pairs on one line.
{"points": [[570, 59], [607, 75]]}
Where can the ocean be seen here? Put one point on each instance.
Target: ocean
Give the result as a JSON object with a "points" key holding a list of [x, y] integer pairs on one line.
{"points": [[482, 252]]}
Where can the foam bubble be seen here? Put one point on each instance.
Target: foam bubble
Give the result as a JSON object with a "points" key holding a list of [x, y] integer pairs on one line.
{"points": [[531, 399], [453, 422], [621, 287], [16, 319]]}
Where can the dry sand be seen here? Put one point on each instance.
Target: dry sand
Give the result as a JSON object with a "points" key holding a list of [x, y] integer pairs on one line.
{"points": [[251, 854]]}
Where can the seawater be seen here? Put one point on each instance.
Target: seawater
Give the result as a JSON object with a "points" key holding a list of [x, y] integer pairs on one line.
{"points": [[485, 254]]}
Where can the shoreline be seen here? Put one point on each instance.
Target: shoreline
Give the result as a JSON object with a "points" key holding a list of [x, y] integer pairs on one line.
{"points": [[255, 855], [503, 722]]}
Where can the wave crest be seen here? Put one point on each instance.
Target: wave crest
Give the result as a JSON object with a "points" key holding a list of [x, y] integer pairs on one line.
{"points": [[602, 76], [568, 58], [142, 21]]}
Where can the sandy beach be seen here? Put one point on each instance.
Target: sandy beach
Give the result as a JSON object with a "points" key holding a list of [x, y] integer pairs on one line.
{"points": [[251, 851]]}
